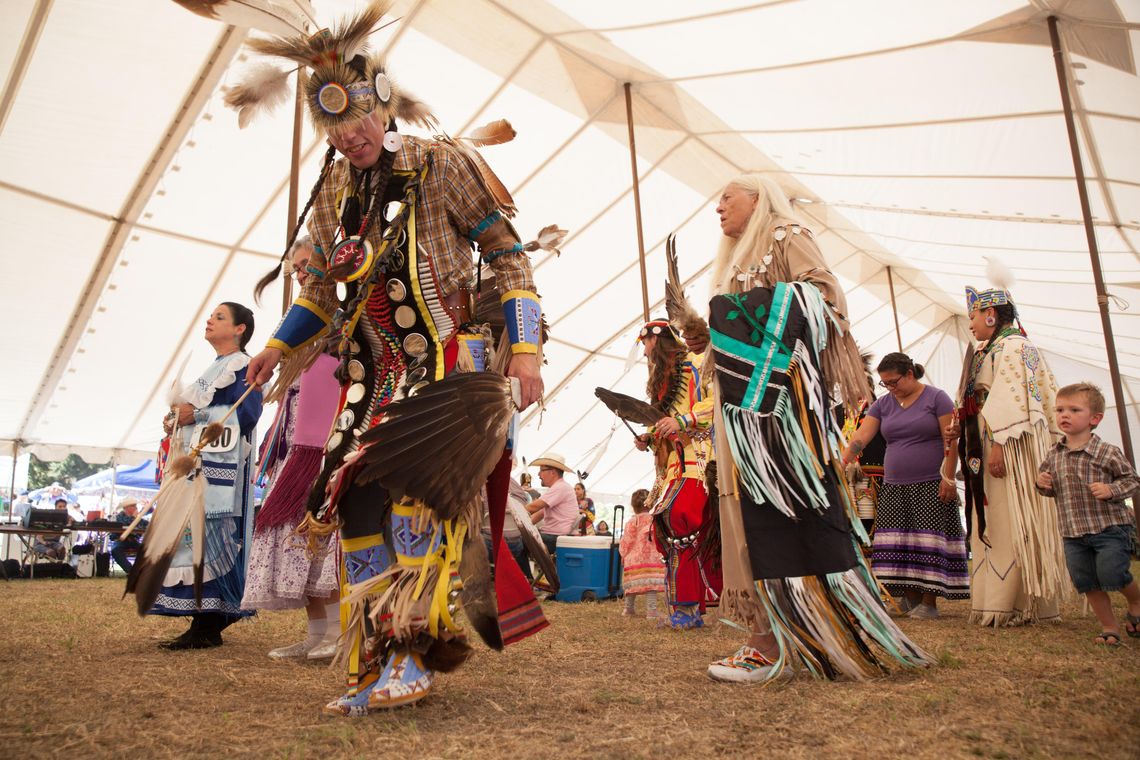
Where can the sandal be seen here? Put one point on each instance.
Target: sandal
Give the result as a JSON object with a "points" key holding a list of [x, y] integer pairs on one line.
{"points": [[1107, 639], [1134, 622]]}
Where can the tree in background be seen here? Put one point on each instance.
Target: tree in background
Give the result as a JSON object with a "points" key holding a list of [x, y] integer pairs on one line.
{"points": [[42, 474]]}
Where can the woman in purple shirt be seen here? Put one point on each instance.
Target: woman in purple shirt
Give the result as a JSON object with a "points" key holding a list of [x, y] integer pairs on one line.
{"points": [[919, 546]]}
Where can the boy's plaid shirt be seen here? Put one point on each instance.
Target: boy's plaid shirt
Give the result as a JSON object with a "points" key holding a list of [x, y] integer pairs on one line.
{"points": [[1079, 513]]}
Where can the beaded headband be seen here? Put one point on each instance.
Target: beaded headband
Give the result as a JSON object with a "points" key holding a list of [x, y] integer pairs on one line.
{"points": [[656, 327], [985, 299]]}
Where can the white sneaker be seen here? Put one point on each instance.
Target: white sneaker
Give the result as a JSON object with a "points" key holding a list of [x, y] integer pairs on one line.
{"points": [[322, 651], [747, 666], [300, 649]]}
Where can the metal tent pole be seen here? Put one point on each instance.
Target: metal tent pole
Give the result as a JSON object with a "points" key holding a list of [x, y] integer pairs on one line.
{"points": [[294, 182], [114, 477], [12, 487], [636, 202], [1094, 252], [894, 308], [11, 493]]}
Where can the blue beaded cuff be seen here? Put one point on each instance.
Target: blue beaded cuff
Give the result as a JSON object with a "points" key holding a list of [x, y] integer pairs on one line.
{"points": [[484, 225], [302, 323], [524, 320]]}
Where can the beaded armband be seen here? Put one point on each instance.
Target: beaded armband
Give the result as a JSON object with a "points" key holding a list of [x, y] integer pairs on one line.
{"points": [[303, 322], [524, 318], [484, 225], [490, 256]]}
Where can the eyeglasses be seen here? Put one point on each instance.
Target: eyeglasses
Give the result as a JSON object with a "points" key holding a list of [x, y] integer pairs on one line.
{"points": [[889, 384]]}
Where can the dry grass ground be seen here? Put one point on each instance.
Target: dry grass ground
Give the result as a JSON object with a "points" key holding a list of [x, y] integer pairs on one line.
{"points": [[82, 678]]}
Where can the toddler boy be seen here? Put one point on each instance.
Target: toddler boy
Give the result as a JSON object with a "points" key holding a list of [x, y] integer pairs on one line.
{"points": [[1090, 480]]}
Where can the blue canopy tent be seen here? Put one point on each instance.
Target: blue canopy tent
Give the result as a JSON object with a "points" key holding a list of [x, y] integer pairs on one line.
{"points": [[129, 480], [127, 477]]}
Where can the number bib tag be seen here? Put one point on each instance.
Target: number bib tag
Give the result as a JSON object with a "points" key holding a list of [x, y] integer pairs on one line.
{"points": [[226, 441]]}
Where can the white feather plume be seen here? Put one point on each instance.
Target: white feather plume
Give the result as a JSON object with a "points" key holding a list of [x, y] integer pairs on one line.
{"points": [[999, 274], [175, 392], [549, 238]]}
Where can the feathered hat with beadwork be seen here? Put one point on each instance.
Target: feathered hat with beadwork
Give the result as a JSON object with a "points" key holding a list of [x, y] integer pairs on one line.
{"points": [[655, 327], [346, 83], [1002, 277]]}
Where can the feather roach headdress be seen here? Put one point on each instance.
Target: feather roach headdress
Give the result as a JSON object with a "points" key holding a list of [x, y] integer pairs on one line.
{"points": [[346, 83]]}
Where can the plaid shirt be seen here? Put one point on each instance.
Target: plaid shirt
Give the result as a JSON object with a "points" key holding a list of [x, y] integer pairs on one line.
{"points": [[1073, 470], [452, 212]]}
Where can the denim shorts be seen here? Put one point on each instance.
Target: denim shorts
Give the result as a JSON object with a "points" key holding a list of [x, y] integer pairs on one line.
{"points": [[1099, 561]]}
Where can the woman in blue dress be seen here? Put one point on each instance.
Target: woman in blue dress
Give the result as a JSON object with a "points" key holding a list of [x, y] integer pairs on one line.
{"points": [[227, 465]]}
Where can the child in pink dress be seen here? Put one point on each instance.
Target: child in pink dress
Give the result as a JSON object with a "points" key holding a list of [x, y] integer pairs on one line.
{"points": [[643, 570]]}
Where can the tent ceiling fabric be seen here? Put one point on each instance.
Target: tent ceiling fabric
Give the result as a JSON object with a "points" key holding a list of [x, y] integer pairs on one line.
{"points": [[929, 140]]}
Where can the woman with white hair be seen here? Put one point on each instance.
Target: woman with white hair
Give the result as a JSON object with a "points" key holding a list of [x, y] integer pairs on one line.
{"points": [[782, 350]]}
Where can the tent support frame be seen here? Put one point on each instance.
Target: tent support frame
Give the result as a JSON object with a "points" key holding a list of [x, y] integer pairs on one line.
{"points": [[1094, 252], [294, 185], [894, 308], [636, 201]]}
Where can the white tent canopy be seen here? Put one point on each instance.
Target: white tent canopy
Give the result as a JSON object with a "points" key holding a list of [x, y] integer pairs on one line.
{"points": [[920, 136]]}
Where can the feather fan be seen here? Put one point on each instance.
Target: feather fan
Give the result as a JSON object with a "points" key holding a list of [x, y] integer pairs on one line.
{"points": [[477, 595], [531, 538], [627, 407], [440, 445], [178, 500], [681, 313]]}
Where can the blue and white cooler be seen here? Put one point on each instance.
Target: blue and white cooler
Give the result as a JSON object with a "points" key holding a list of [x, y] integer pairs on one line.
{"points": [[589, 568]]}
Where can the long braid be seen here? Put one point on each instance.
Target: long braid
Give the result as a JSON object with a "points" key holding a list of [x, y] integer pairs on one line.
{"points": [[272, 275]]}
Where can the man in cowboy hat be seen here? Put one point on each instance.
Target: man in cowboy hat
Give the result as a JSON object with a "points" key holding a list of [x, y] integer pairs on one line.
{"points": [[558, 507], [120, 550]]}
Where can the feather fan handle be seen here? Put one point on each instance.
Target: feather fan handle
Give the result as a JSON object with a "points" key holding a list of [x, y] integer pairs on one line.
{"points": [[495, 133], [214, 430], [265, 88], [549, 238]]}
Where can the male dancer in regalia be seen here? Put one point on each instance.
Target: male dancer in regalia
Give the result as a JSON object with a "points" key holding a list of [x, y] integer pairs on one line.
{"points": [[395, 222]]}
